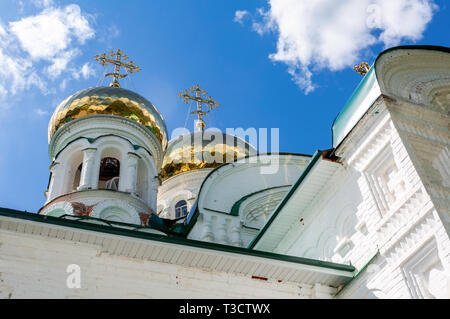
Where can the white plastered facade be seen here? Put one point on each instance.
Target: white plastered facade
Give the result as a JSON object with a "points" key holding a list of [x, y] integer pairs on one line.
{"points": [[243, 181], [386, 209]]}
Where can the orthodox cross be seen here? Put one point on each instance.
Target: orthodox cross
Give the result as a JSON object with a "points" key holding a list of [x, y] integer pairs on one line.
{"points": [[197, 95], [117, 58], [362, 68]]}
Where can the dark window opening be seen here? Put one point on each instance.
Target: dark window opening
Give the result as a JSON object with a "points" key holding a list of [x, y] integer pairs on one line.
{"points": [[109, 173], [181, 209]]}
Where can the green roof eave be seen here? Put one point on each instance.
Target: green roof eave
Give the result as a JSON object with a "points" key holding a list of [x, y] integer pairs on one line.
{"points": [[361, 100], [366, 94], [286, 198], [170, 240]]}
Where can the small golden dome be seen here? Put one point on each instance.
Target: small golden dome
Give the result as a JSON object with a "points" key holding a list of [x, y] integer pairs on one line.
{"points": [[111, 101], [196, 151]]}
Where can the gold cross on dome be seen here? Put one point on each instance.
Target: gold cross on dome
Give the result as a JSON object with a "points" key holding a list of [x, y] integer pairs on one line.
{"points": [[196, 95], [116, 57], [362, 68]]}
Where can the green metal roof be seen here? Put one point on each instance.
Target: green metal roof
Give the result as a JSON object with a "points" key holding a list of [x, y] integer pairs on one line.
{"points": [[168, 239], [366, 94]]}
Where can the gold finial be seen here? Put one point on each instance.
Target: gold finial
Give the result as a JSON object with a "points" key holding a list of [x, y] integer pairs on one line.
{"points": [[196, 96], [117, 57], [362, 68]]}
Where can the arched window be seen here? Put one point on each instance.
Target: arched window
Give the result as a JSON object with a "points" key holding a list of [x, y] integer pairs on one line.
{"points": [[109, 173], [180, 209]]}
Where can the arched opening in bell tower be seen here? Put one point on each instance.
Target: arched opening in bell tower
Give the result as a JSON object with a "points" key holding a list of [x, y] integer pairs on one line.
{"points": [[109, 173], [76, 181], [72, 173]]}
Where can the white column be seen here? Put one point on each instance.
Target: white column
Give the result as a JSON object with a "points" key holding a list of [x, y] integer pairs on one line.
{"points": [[56, 181], [131, 173], [87, 169], [153, 192], [207, 233], [222, 232], [235, 236]]}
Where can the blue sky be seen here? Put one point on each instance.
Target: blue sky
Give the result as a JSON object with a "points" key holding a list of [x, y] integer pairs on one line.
{"points": [[228, 47]]}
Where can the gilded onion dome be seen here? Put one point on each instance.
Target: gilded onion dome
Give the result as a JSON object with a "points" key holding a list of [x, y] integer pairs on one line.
{"points": [[111, 101], [202, 149]]}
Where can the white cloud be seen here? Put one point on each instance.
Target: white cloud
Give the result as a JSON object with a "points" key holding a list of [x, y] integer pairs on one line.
{"points": [[265, 24], [239, 16], [3, 91], [39, 48], [330, 34], [42, 3], [13, 72], [41, 112], [86, 71], [49, 34], [63, 85], [2, 31], [35, 80], [107, 36], [59, 63]]}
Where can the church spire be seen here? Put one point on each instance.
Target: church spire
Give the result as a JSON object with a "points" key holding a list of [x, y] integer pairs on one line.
{"points": [[117, 58], [196, 95]]}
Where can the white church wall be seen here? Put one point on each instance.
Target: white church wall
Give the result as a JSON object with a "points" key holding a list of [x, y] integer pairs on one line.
{"points": [[183, 186], [427, 142], [377, 201], [35, 267], [229, 184], [416, 83]]}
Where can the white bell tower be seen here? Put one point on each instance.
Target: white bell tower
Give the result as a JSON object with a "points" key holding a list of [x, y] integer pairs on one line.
{"points": [[106, 145]]}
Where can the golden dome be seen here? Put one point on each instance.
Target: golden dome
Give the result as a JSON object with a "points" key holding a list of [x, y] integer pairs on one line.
{"points": [[111, 101], [196, 151]]}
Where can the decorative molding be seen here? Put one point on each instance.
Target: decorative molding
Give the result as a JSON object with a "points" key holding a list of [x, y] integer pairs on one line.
{"points": [[144, 218], [66, 206], [79, 209], [424, 273], [121, 209]]}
